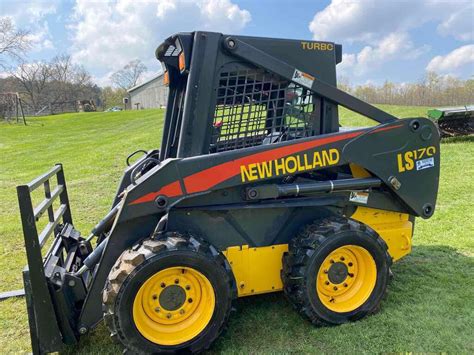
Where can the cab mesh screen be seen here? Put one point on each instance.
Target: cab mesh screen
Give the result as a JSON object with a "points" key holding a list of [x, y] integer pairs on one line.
{"points": [[255, 107]]}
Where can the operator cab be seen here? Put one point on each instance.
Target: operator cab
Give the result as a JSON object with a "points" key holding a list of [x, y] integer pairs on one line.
{"points": [[219, 103]]}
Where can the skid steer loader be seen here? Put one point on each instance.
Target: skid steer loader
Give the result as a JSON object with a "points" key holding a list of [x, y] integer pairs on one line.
{"points": [[255, 189]]}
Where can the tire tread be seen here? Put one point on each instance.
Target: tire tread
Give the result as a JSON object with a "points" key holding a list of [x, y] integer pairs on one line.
{"points": [[300, 250], [139, 253]]}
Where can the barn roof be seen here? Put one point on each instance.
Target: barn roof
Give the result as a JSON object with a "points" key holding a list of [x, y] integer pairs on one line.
{"points": [[145, 83]]}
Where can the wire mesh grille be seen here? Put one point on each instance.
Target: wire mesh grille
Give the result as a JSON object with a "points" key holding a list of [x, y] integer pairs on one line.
{"points": [[255, 107]]}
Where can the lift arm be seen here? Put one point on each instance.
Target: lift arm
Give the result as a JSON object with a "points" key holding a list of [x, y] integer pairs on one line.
{"points": [[251, 54]]}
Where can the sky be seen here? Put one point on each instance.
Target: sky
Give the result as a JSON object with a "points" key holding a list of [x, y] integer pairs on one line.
{"points": [[396, 40]]}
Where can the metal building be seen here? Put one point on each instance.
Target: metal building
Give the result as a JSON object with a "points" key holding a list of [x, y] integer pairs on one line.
{"points": [[151, 94]]}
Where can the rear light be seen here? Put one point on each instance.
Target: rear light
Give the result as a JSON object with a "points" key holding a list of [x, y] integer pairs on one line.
{"points": [[181, 61], [166, 78]]}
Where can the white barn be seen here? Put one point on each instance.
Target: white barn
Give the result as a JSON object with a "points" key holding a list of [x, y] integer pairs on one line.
{"points": [[150, 94]]}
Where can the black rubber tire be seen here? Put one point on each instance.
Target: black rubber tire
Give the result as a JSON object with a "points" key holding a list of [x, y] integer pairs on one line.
{"points": [[307, 252], [137, 264]]}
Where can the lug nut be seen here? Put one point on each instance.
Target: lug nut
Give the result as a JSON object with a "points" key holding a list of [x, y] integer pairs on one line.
{"points": [[351, 275], [154, 297], [168, 315], [345, 285], [335, 288], [342, 258], [190, 300], [181, 311], [157, 309], [188, 287], [176, 281], [331, 261], [325, 271], [327, 282], [350, 264], [163, 285]]}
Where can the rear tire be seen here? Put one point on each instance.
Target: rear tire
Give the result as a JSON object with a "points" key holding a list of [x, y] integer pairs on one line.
{"points": [[336, 271], [168, 295]]}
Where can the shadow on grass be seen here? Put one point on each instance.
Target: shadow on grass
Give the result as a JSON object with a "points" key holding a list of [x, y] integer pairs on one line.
{"points": [[429, 307]]}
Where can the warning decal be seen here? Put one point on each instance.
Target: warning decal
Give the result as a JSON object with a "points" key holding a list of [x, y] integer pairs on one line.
{"points": [[303, 78]]}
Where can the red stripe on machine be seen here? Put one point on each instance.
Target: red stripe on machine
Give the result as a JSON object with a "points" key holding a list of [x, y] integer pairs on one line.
{"points": [[170, 190], [208, 178]]}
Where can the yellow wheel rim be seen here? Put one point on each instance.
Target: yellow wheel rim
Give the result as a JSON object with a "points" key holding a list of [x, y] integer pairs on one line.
{"points": [[174, 306], [346, 278]]}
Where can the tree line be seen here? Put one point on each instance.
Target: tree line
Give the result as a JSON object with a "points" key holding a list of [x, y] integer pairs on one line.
{"points": [[433, 90], [58, 84]]}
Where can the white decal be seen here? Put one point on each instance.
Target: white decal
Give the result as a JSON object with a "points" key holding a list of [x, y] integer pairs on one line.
{"points": [[359, 197], [425, 163]]}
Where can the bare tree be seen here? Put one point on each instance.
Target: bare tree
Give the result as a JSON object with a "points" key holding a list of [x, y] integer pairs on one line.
{"points": [[68, 80], [14, 43], [56, 85], [129, 75], [65, 71], [33, 78], [61, 68]]}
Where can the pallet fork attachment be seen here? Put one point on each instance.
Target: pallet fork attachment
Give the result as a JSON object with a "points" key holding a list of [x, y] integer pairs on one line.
{"points": [[45, 330], [11, 294]]}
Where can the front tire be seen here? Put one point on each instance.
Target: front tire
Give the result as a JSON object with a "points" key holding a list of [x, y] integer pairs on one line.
{"points": [[168, 295], [336, 271]]}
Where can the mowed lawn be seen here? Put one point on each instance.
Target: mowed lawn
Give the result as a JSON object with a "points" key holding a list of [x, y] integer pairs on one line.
{"points": [[430, 304]]}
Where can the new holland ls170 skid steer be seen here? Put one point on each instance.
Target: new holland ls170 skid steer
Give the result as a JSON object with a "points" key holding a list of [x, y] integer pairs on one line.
{"points": [[255, 189]]}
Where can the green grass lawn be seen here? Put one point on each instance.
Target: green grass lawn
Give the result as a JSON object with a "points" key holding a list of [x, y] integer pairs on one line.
{"points": [[430, 304]]}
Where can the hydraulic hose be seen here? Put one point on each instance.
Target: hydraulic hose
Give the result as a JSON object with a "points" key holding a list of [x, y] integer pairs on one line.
{"points": [[94, 257]]}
